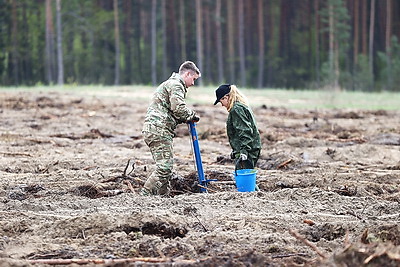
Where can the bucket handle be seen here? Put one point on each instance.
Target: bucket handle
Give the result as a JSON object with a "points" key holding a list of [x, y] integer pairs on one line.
{"points": [[242, 164]]}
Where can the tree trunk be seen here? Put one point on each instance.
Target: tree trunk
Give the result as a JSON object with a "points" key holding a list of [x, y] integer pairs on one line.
{"points": [[117, 48], [219, 42], [182, 29], [309, 22], [173, 35], [388, 34], [261, 45], [242, 56], [364, 28], [14, 39], [272, 44], [336, 63], [127, 35], [250, 43], [371, 42], [25, 55], [153, 42], [284, 19], [164, 37], [317, 56], [356, 31], [49, 44], [60, 63], [199, 37], [331, 45], [208, 66], [137, 37], [231, 38]]}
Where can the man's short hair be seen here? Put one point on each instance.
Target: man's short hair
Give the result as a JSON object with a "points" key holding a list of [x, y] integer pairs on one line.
{"points": [[189, 66]]}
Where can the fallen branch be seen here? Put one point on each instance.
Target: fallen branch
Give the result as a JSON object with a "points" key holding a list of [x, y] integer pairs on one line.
{"points": [[364, 237], [128, 183], [207, 188], [65, 136], [112, 179], [180, 192], [15, 154], [283, 164], [222, 182], [309, 222], [354, 214], [308, 243], [382, 251], [138, 179], [289, 255], [89, 167], [202, 225], [346, 241], [388, 216], [355, 140], [107, 261]]}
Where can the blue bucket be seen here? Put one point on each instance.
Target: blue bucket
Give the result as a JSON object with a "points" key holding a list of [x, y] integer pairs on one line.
{"points": [[245, 180]]}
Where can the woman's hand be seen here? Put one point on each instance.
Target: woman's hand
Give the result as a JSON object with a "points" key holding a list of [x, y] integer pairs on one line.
{"points": [[243, 157]]}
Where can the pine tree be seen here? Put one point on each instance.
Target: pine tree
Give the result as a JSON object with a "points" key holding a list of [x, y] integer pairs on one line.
{"points": [[335, 15]]}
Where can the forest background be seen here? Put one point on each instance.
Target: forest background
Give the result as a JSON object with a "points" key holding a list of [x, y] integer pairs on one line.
{"points": [[298, 44]]}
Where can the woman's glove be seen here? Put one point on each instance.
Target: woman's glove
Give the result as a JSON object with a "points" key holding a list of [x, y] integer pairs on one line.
{"points": [[243, 157]]}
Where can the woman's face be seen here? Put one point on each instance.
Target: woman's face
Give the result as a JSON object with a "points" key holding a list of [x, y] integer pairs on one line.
{"points": [[225, 100]]}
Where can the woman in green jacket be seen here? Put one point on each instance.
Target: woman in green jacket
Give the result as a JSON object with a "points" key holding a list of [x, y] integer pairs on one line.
{"points": [[241, 126]]}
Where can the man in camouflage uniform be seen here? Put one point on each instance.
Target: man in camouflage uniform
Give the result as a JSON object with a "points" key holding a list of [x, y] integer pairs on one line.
{"points": [[166, 110]]}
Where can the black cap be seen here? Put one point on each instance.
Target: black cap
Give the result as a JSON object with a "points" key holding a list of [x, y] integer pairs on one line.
{"points": [[222, 91]]}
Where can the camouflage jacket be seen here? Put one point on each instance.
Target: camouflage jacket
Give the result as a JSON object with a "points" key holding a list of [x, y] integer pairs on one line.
{"points": [[242, 131], [168, 108]]}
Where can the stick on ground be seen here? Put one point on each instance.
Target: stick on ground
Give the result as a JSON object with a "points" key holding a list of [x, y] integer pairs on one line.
{"points": [[308, 243], [107, 261]]}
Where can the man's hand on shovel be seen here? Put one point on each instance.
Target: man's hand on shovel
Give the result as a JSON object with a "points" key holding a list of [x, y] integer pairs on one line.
{"points": [[195, 118]]}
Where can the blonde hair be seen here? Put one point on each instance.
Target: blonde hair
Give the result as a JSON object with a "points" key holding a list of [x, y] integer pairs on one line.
{"points": [[236, 96]]}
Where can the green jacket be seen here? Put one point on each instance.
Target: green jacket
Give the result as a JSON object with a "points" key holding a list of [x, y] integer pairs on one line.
{"points": [[242, 131], [168, 108]]}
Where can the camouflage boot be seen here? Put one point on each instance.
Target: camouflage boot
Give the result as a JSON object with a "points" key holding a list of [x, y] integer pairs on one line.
{"points": [[151, 186], [164, 188]]}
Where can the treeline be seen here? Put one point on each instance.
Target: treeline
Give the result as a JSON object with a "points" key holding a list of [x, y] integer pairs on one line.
{"points": [[337, 44]]}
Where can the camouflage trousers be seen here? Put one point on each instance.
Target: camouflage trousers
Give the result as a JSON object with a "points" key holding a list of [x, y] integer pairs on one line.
{"points": [[158, 183]]}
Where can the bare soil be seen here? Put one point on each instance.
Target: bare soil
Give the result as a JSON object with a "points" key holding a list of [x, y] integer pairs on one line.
{"points": [[329, 187]]}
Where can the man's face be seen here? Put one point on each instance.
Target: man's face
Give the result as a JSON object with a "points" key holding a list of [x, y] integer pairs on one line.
{"points": [[189, 78]]}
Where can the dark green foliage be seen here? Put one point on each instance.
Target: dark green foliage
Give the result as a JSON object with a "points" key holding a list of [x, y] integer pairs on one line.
{"points": [[390, 67], [291, 58]]}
